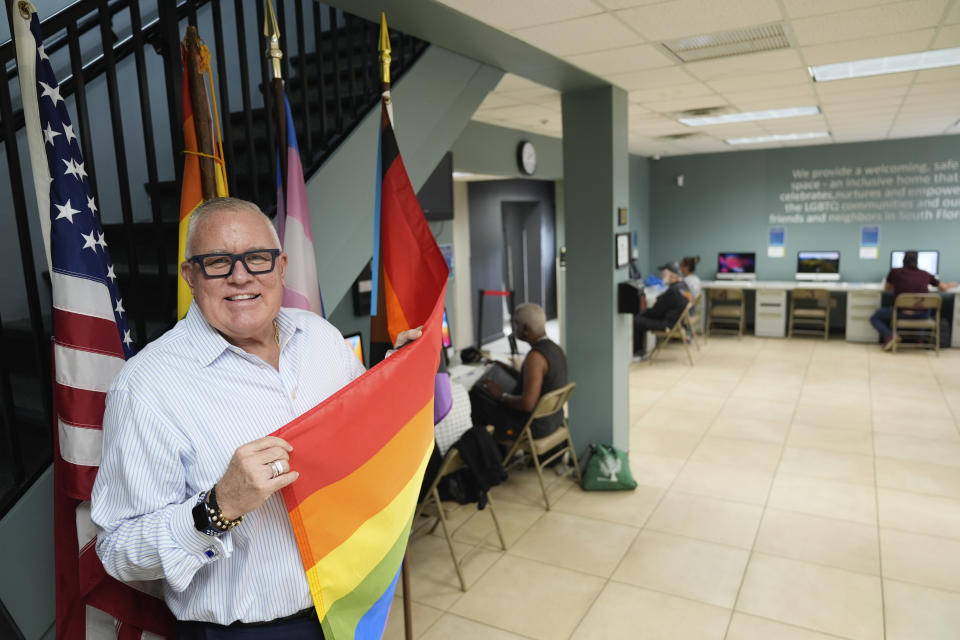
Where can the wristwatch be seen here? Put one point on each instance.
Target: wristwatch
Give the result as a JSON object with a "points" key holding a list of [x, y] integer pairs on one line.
{"points": [[201, 517]]}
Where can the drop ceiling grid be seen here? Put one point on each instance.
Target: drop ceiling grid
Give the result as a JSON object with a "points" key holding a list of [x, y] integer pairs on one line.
{"points": [[619, 41]]}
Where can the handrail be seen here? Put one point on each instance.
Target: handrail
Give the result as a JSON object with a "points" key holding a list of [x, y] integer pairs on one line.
{"points": [[333, 87]]}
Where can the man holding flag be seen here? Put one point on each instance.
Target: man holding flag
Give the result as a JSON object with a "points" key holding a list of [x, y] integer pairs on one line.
{"points": [[187, 490], [244, 398]]}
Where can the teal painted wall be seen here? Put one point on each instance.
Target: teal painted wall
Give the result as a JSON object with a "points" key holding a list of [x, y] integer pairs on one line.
{"points": [[596, 184], [26, 555], [489, 149], [639, 211], [727, 200]]}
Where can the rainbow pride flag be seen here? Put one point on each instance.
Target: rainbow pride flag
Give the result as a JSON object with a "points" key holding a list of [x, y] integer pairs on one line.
{"points": [[362, 453]]}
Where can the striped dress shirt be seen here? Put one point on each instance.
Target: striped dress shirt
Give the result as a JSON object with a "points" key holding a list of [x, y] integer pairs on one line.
{"points": [[175, 414]]}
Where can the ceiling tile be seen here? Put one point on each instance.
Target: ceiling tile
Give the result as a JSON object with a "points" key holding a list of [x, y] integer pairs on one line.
{"points": [[509, 14], [876, 47], [939, 75], [535, 94], [733, 130], [624, 4], [746, 65], [858, 109], [806, 8], [684, 104], [669, 93], [878, 133], [651, 78], [882, 95], [772, 103], [913, 131], [789, 78], [496, 101], [800, 94], [947, 37], [954, 15], [794, 125], [581, 35], [602, 63], [863, 23], [513, 82], [694, 17]]}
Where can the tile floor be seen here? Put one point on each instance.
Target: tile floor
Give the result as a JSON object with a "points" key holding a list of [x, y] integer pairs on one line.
{"points": [[789, 489]]}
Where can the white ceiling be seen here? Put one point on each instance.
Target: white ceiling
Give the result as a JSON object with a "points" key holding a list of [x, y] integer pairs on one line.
{"points": [[620, 41]]}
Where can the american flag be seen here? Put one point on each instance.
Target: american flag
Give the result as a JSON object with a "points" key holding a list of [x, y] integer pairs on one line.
{"points": [[91, 342]]}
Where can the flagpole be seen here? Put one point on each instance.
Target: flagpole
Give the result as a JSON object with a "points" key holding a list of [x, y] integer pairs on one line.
{"points": [[201, 114], [271, 31], [384, 48]]}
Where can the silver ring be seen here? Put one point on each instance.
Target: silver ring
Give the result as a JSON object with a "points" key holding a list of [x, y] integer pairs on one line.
{"points": [[277, 468]]}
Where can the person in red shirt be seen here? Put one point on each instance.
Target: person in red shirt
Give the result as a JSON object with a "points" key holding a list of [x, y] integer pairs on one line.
{"points": [[908, 279]]}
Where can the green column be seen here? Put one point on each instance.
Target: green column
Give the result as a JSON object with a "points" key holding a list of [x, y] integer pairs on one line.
{"points": [[595, 172]]}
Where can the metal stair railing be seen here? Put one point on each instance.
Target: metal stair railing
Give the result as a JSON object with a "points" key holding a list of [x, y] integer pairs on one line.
{"points": [[118, 64]]}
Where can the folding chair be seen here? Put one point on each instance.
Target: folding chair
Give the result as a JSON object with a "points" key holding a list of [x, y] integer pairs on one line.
{"points": [[548, 404], [811, 308], [676, 331], [695, 321], [452, 462], [726, 308], [925, 330]]}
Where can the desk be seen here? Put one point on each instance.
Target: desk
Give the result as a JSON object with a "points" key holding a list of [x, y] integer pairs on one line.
{"points": [[863, 298]]}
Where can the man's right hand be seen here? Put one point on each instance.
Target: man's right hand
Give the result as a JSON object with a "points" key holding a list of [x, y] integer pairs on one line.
{"points": [[249, 481]]}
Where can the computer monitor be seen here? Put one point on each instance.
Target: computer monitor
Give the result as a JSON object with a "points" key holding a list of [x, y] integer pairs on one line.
{"points": [[928, 261], [736, 265], [818, 265], [355, 341], [445, 332]]}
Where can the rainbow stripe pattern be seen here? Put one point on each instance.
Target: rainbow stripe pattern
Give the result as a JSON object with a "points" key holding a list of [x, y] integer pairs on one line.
{"points": [[362, 453]]}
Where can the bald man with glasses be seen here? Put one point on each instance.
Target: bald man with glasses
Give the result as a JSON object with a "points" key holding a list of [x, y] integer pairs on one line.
{"points": [[187, 491]]}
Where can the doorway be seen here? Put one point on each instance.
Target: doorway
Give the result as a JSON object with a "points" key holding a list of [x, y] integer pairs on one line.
{"points": [[522, 251]]}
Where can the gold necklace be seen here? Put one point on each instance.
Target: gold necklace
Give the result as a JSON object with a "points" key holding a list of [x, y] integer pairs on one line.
{"points": [[276, 333]]}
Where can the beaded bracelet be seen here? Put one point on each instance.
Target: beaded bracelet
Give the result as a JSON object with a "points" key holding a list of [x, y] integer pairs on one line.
{"points": [[216, 515]]}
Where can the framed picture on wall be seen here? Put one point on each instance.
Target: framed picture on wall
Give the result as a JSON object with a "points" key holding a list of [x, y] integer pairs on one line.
{"points": [[622, 249]]}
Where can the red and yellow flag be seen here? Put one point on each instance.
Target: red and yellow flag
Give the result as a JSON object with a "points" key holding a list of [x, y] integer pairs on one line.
{"points": [[192, 191]]}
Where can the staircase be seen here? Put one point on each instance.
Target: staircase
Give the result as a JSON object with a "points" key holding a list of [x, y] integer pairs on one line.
{"points": [[332, 83]]}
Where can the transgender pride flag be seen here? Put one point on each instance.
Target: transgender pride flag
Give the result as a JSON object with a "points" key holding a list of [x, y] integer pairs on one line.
{"points": [[293, 226]]}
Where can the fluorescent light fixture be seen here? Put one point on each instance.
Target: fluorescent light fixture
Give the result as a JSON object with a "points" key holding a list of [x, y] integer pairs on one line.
{"points": [[780, 137], [890, 64], [749, 116], [463, 174]]}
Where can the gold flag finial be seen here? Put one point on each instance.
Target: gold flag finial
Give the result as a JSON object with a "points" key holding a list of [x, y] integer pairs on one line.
{"points": [[272, 32], [384, 50]]}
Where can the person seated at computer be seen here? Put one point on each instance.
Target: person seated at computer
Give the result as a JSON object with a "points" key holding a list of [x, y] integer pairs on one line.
{"points": [[906, 279], [543, 370], [687, 267], [665, 311]]}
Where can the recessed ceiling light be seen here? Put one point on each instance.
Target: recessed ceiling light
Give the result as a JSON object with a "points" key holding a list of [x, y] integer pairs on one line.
{"points": [[890, 64], [780, 137], [749, 116]]}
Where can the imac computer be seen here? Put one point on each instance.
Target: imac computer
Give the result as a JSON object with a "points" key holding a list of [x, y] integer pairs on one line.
{"points": [[928, 261], [355, 342], [818, 265], [736, 266]]}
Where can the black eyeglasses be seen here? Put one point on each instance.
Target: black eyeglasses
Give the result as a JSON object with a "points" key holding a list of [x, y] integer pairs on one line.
{"points": [[220, 265]]}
